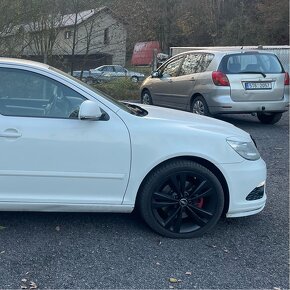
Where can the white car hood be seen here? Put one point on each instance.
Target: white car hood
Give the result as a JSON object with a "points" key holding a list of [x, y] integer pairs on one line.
{"points": [[193, 120]]}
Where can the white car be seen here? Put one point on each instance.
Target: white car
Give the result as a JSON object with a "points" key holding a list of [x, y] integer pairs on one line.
{"points": [[67, 147]]}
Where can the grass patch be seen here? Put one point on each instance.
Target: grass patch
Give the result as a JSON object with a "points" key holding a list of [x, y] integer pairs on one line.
{"points": [[120, 89]]}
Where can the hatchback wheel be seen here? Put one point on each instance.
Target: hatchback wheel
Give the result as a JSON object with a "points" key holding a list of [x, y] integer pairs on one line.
{"points": [[135, 79], [269, 118], [146, 98], [181, 199], [199, 106], [89, 80]]}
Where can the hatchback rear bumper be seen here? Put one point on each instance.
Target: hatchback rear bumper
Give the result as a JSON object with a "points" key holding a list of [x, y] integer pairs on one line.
{"points": [[224, 105]]}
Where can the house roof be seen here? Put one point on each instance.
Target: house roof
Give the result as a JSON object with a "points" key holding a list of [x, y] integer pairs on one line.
{"points": [[61, 21], [69, 19]]}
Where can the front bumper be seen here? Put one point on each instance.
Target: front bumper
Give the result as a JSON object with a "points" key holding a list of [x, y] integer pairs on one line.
{"points": [[242, 179]]}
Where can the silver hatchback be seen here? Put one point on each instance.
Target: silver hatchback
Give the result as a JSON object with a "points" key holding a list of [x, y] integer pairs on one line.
{"points": [[217, 82]]}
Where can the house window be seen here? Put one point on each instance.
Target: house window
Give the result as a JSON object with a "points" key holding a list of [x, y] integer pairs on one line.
{"points": [[67, 35], [106, 36]]}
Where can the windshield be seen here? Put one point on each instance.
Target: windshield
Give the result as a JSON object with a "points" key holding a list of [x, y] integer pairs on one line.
{"points": [[250, 62], [103, 95]]}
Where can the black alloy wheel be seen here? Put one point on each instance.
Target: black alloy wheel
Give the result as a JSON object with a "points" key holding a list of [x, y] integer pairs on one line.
{"points": [[181, 199]]}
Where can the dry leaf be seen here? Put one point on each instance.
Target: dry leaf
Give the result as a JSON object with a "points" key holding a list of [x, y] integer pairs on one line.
{"points": [[23, 287], [2, 252], [171, 287], [32, 285], [23, 280], [277, 288], [187, 273], [173, 280], [57, 228], [2, 228], [158, 263]]}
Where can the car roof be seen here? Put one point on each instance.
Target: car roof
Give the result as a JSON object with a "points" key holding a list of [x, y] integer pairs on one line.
{"points": [[222, 52], [24, 62]]}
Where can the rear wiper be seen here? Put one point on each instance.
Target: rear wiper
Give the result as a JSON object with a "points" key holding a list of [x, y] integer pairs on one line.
{"points": [[253, 72]]}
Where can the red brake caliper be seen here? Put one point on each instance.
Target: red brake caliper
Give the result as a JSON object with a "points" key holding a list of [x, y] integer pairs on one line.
{"points": [[199, 202]]}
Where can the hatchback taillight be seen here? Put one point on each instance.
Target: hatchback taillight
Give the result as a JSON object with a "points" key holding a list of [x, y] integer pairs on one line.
{"points": [[286, 81], [220, 79]]}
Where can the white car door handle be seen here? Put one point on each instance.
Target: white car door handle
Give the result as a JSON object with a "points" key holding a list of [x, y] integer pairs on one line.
{"points": [[10, 133]]}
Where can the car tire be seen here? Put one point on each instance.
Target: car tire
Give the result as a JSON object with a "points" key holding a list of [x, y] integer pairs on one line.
{"points": [[199, 106], [269, 118], [134, 79], [181, 199], [146, 98]]}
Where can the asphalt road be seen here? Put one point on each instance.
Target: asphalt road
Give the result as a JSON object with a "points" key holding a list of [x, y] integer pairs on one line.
{"points": [[67, 250]]}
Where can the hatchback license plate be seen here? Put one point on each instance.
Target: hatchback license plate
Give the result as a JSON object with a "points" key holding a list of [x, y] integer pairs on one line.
{"points": [[258, 86]]}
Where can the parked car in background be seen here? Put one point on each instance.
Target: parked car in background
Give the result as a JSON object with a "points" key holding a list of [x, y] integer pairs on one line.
{"points": [[68, 147], [211, 82], [106, 73], [109, 72]]}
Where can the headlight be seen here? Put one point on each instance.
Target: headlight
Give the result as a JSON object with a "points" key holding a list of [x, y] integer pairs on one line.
{"points": [[246, 149]]}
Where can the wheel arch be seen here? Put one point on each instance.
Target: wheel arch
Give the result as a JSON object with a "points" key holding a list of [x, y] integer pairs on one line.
{"points": [[207, 164], [144, 89]]}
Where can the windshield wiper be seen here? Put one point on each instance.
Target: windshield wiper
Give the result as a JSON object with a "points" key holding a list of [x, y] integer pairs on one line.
{"points": [[253, 72]]}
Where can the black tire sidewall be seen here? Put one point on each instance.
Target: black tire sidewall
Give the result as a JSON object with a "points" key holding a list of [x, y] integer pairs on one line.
{"points": [[149, 95], [270, 119]]}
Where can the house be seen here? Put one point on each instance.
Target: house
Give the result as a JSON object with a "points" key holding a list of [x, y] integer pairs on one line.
{"points": [[83, 40]]}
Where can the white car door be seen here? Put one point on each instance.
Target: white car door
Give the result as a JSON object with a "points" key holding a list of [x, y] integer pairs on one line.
{"points": [[48, 155]]}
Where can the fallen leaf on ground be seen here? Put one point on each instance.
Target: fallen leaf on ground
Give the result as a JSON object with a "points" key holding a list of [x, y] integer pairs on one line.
{"points": [[3, 252], [173, 280], [2, 228], [187, 273], [171, 287], [32, 285], [23, 280], [277, 288], [57, 228], [23, 287], [158, 263]]}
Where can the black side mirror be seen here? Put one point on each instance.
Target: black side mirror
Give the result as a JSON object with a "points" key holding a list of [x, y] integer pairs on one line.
{"points": [[156, 74]]}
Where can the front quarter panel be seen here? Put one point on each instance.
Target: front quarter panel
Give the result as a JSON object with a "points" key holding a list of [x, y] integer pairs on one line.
{"points": [[154, 141]]}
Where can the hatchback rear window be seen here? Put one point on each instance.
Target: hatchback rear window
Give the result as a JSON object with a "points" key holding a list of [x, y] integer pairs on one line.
{"points": [[250, 62]]}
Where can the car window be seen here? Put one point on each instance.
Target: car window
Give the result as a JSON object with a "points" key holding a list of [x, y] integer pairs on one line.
{"points": [[250, 62], [108, 69], [119, 69], [195, 63], [28, 94], [171, 69], [206, 60]]}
